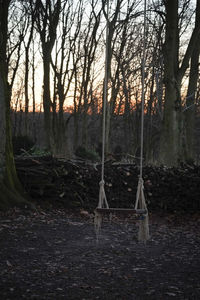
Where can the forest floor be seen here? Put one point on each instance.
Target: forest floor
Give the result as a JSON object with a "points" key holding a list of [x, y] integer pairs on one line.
{"points": [[54, 255]]}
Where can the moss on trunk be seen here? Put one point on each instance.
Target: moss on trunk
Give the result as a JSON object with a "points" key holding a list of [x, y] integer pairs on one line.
{"points": [[11, 191], [11, 198]]}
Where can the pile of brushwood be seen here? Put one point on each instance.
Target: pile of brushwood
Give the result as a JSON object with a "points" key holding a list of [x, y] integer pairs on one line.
{"points": [[57, 182]]}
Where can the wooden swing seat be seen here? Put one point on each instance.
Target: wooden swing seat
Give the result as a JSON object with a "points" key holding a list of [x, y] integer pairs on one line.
{"points": [[126, 211]]}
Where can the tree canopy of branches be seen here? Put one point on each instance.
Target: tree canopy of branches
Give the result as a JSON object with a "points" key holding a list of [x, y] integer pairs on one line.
{"points": [[55, 50]]}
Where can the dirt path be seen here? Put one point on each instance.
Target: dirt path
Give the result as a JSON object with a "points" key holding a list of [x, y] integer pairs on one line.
{"points": [[55, 256]]}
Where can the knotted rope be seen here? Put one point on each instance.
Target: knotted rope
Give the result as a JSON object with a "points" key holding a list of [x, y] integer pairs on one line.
{"points": [[102, 195], [102, 203], [143, 234]]}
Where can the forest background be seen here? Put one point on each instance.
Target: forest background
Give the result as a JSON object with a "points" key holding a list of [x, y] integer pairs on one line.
{"points": [[55, 62], [52, 77]]}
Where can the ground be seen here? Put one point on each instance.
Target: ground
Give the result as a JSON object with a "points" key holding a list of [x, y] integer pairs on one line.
{"points": [[54, 255]]}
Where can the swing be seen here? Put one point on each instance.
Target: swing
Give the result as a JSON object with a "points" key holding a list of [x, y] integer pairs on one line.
{"points": [[140, 208]]}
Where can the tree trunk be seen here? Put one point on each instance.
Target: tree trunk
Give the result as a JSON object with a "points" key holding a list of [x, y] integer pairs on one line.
{"points": [[26, 89], [11, 190], [189, 113], [47, 103], [33, 95], [61, 127], [47, 18], [10, 187], [171, 149], [170, 130], [26, 78], [149, 131]]}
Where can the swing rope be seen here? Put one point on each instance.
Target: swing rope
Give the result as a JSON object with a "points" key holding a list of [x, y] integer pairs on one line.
{"points": [[143, 234], [102, 195]]}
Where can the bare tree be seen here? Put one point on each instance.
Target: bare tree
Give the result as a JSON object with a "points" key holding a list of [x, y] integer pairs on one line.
{"points": [[11, 190], [47, 17], [29, 30], [16, 33], [171, 139], [64, 66], [90, 43], [84, 58], [190, 109], [154, 80], [124, 38], [111, 28]]}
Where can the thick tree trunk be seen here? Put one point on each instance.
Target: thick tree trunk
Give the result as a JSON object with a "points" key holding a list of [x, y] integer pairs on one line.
{"points": [[11, 192], [189, 113], [172, 130]]}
